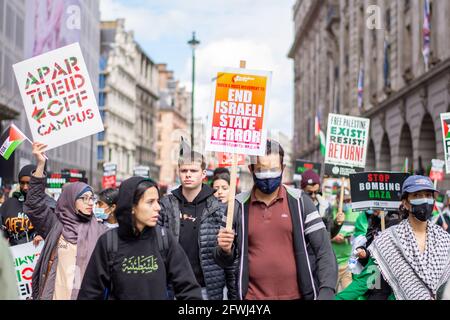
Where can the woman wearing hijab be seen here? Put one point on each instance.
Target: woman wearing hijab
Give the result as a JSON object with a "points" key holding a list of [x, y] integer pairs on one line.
{"points": [[128, 262], [70, 233], [412, 256]]}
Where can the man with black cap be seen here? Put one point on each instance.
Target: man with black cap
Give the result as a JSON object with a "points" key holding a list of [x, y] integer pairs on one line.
{"points": [[310, 184], [15, 223]]}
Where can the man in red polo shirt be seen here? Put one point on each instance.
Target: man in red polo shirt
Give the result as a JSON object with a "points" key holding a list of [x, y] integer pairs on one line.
{"points": [[282, 249]]}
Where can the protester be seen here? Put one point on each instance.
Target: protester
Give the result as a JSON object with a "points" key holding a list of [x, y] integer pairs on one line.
{"points": [[444, 218], [69, 230], [106, 206], [16, 224], [134, 267], [8, 282], [412, 256], [282, 249], [310, 184], [341, 243], [373, 229], [221, 184], [194, 215]]}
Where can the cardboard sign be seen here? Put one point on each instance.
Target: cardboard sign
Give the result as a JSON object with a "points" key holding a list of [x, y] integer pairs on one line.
{"points": [[226, 159], [109, 182], [142, 171], [303, 165], [109, 179], [25, 258], [239, 112], [347, 140], [376, 190], [58, 97], [445, 122], [437, 170], [337, 171]]}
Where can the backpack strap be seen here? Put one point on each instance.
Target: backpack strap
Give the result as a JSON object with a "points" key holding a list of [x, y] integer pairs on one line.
{"points": [[163, 242], [112, 245]]}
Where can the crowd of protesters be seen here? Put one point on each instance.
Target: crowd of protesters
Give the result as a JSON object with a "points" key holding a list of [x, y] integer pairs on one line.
{"points": [[285, 243]]}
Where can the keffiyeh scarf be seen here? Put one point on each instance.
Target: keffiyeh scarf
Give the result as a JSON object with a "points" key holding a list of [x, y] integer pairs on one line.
{"points": [[413, 275]]}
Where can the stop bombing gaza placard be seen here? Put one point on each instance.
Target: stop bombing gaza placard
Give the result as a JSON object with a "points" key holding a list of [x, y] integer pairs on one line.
{"points": [[347, 140], [376, 190], [58, 97], [238, 113]]}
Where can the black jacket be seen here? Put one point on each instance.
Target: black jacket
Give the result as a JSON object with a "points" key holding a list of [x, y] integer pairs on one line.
{"points": [[215, 277], [16, 225], [316, 263], [138, 270]]}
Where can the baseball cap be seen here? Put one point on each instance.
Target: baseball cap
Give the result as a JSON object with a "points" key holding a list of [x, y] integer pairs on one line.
{"points": [[309, 177], [417, 183]]}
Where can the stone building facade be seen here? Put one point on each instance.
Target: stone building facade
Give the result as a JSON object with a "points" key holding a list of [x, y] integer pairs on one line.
{"points": [[337, 40]]}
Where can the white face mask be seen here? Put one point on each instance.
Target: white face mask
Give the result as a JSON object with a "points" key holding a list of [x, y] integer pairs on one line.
{"points": [[267, 174]]}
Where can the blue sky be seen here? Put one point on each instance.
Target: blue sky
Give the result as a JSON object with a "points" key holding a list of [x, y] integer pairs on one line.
{"points": [[260, 32]]}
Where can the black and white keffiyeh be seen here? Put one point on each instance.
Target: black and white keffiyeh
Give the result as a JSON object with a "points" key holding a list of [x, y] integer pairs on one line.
{"points": [[411, 274]]}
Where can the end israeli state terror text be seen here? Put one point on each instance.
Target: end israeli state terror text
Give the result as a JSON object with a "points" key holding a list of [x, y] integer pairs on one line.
{"points": [[238, 118]]}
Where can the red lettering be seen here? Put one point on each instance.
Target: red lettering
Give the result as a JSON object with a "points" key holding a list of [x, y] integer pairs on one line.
{"points": [[27, 273]]}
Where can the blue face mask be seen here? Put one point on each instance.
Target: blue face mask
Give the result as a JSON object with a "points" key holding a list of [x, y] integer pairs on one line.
{"points": [[370, 211], [346, 207], [100, 213], [267, 182]]}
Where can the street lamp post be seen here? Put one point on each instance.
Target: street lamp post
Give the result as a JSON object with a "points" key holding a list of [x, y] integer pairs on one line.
{"points": [[193, 43]]}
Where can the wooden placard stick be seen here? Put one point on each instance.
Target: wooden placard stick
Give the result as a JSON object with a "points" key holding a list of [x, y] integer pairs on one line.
{"points": [[233, 178]]}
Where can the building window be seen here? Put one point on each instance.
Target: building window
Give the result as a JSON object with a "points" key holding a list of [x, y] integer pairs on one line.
{"points": [[110, 154], [407, 5], [1, 67], [2, 14], [100, 152], [19, 33], [101, 136], [308, 131], [9, 27]]}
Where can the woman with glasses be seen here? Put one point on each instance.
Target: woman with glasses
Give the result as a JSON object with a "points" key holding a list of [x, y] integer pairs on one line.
{"points": [[70, 233]]}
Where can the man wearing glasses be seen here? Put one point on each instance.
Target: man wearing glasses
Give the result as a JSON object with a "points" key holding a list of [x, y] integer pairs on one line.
{"points": [[311, 185]]}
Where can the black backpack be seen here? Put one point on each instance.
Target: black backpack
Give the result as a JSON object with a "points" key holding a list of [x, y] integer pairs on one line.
{"points": [[112, 245]]}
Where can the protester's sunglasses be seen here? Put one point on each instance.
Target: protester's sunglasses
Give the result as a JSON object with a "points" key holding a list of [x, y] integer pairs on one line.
{"points": [[310, 193]]}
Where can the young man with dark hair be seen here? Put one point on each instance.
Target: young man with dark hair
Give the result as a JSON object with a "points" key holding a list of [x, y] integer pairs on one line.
{"points": [[281, 249], [194, 215]]}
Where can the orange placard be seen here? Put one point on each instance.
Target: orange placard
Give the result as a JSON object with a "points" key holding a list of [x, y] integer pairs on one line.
{"points": [[239, 109]]}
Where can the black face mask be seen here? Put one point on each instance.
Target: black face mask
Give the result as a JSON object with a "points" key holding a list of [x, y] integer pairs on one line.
{"points": [[424, 210]]}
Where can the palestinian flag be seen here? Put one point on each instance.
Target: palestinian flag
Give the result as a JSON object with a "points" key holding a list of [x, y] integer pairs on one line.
{"points": [[318, 132], [445, 127], [10, 140]]}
